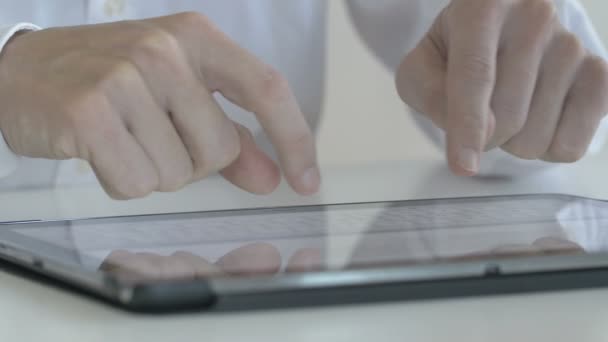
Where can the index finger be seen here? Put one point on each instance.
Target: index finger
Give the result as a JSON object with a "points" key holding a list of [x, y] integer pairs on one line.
{"points": [[263, 91], [251, 84], [473, 45]]}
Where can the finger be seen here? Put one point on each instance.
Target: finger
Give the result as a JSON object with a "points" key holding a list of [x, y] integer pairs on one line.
{"points": [[216, 143], [305, 260], [152, 128], [421, 78], [557, 72], [252, 259], [586, 106], [253, 170], [256, 87], [523, 43], [200, 267], [242, 78], [121, 165], [208, 135], [473, 46]]}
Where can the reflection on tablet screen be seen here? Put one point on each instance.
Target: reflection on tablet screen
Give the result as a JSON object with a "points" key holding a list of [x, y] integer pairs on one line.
{"points": [[266, 242]]}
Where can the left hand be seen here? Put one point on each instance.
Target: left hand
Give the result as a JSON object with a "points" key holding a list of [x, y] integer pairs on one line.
{"points": [[506, 73]]}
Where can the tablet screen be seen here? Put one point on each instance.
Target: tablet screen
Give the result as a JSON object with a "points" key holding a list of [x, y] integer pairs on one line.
{"points": [[312, 239]]}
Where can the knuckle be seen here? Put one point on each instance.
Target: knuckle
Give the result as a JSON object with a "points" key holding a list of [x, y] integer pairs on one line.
{"points": [[202, 169], [177, 180], [300, 143], [596, 70], [491, 9], [155, 44], [127, 188], [487, 13], [118, 195], [92, 125], [541, 18], [477, 70], [86, 113], [523, 150], [597, 65], [472, 124], [544, 11], [101, 125], [512, 118], [192, 20], [229, 151], [569, 46], [140, 188], [564, 152], [64, 146], [272, 87], [193, 27], [216, 157], [120, 73]]}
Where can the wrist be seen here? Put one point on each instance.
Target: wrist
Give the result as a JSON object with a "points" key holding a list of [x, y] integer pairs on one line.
{"points": [[8, 159]]}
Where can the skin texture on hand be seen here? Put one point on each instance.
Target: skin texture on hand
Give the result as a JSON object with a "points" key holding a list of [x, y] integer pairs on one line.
{"points": [[506, 74], [135, 99]]}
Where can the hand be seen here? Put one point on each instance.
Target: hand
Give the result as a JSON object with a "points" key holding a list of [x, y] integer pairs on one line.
{"points": [[505, 73], [249, 260], [135, 99]]}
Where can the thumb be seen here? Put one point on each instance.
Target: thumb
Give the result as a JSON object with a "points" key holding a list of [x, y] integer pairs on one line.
{"points": [[253, 170]]}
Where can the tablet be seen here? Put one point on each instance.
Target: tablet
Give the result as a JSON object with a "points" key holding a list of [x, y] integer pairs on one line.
{"points": [[319, 255]]}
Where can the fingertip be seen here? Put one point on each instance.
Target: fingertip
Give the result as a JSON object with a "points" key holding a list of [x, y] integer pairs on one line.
{"points": [[464, 161], [308, 182], [459, 171]]}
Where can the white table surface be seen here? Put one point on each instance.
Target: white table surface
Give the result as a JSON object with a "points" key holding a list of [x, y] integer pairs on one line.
{"points": [[34, 312]]}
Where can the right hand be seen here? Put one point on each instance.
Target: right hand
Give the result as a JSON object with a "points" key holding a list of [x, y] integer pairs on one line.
{"points": [[135, 99]]}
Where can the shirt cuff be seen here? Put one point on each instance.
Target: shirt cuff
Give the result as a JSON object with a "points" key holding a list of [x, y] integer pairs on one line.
{"points": [[8, 159]]}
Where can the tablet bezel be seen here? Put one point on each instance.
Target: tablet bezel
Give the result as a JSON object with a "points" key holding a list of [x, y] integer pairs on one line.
{"points": [[207, 293]]}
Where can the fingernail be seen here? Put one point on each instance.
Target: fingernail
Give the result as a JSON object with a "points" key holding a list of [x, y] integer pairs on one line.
{"points": [[468, 159], [310, 180]]}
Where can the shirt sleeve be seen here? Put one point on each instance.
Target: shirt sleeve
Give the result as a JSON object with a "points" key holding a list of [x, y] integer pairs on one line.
{"points": [[392, 28], [8, 160]]}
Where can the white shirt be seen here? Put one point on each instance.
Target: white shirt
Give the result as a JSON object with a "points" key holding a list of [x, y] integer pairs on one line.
{"points": [[290, 35]]}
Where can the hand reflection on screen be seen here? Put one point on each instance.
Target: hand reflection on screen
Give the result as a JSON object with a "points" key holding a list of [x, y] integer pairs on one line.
{"points": [[542, 246], [265, 259], [364, 257], [249, 260]]}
